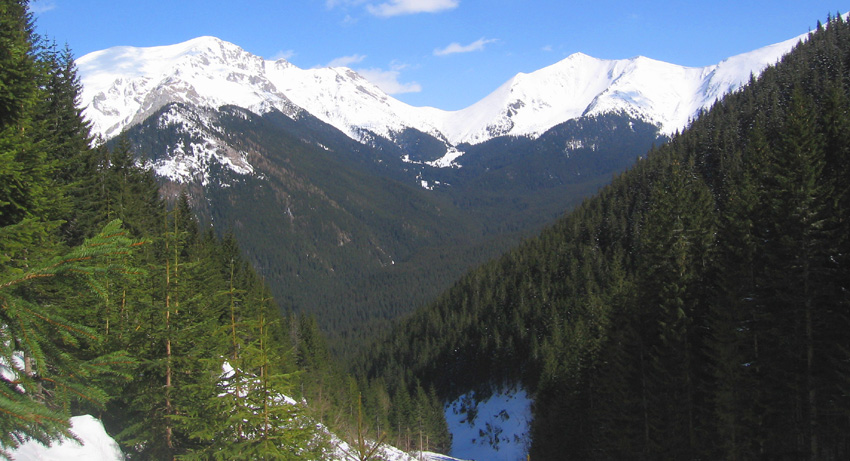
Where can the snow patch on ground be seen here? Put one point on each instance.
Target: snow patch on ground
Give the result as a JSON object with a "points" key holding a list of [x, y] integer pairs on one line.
{"points": [[448, 160], [343, 452], [492, 429], [97, 445]]}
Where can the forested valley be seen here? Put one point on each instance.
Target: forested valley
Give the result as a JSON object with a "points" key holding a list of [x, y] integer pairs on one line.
{"points": [[696, 308], [116, 303]]}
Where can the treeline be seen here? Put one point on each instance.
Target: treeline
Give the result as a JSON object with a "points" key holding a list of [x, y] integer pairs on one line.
{"points": [[116, 303], [695, 308]]}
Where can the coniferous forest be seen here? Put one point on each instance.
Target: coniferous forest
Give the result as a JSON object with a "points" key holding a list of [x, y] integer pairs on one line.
{"points": [[116, 303], [695, 308]]}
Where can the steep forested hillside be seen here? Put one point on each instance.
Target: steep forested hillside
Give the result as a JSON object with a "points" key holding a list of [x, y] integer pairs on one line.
{"points": [[116, 304], [696, 308]]}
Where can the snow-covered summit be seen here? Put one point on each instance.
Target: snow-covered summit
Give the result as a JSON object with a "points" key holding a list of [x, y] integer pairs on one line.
{"points": [[124, 85], [662, 93]]}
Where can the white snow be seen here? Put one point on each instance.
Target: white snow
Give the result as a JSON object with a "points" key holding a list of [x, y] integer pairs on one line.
{"points": [[665, 94], [496, 428], [181, 166], [10, 372], [343, 452], [429, 456], [447, 160], [124, 85], [96, 445]]}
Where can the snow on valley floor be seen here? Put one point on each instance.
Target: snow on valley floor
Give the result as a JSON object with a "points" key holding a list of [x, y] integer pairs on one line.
{"points": [[493, 429]]}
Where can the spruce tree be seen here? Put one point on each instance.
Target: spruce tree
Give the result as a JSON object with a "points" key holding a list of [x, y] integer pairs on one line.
{"points": [[42, 368], [250, 413]]}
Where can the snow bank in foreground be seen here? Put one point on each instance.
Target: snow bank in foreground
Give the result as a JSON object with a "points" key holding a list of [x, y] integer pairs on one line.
{"points": [[97, 445], [493, 429]]}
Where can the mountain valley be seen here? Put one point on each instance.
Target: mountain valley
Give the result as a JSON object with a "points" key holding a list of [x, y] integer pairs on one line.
{"points": [[358, 208], [207, 254]]}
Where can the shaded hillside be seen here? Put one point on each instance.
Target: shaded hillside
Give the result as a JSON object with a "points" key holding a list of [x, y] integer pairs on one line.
{"points": [[694, 308], [343, 230]]}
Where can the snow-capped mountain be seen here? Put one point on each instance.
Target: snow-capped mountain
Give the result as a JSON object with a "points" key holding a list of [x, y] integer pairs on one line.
{"points": [[664, 94], [124, 85], [327, 162]]}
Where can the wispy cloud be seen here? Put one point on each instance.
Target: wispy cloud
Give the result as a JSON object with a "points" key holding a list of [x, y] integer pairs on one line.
{"points": [[347, 61], [455, 48], [41, 6], [335, 3], [389, 8], [388, 81], [283, 54], [401, 7]]}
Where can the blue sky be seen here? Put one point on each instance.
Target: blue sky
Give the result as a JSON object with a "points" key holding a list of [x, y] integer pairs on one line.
{"points": [[442, 53]]}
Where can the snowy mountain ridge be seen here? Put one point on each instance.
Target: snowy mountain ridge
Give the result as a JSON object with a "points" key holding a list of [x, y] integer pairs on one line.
{"points": [[665, 94], [124, 85]]}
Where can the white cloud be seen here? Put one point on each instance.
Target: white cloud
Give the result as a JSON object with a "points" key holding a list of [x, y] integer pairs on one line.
{"points": [[388, 8], [454, 48], [283, 54], [335, 3], [41, 6], [400, 7], [347, 61], [387, 80]]}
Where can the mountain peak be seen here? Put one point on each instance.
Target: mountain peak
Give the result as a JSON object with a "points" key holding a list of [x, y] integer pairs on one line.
{"points": [[122, 85], [577, 56], [203, 42]]}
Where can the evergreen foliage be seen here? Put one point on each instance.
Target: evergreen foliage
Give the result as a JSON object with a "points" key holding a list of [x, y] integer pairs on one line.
{"points": [[696, 308], [113, 303], [41, 371]]}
